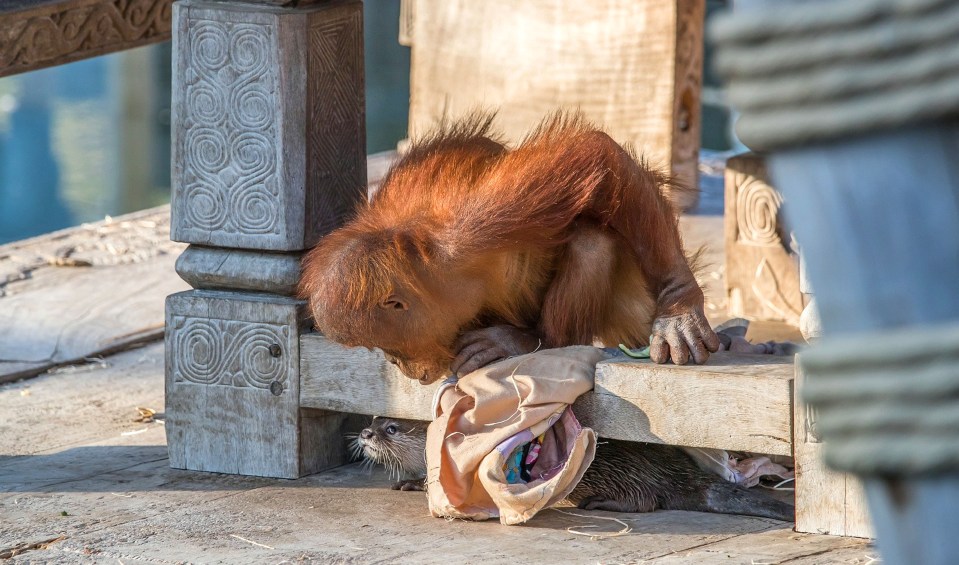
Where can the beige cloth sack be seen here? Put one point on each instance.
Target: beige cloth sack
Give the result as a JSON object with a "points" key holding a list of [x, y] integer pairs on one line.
{"points": [[483, 417]]}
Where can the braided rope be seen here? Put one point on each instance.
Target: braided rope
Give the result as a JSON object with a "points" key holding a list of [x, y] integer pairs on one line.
{"points": [[895, 411], [800, 75]]}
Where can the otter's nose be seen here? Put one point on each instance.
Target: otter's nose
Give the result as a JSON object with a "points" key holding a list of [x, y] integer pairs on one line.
{"points": [[366, 434]]}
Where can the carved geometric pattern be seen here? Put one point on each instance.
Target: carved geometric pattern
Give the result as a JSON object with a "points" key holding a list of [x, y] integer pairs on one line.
{"points": [[213, 351], [230, 182], [53, 34], [757, 213], [336, 121]]}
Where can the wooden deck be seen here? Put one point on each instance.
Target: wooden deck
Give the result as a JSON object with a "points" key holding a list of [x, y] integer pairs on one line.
{"points": [[68, 444]]}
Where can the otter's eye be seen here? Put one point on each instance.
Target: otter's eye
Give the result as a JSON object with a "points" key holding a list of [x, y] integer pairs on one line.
{"points": [[391, 429]]}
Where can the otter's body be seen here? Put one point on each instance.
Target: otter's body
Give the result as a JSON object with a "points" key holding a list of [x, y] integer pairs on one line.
{"points": [[624, 476], [627, 476]]}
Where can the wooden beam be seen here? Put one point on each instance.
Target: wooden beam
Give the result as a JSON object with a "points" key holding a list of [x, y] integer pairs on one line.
{"points": [[42, 33], [739, 402], [632, 66]]}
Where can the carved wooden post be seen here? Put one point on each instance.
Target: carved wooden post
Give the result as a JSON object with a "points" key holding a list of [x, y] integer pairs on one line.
{"points": [[762, 279], [268, 155], [857, 104]]}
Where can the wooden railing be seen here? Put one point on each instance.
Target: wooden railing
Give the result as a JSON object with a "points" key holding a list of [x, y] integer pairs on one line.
{"points": [[43, 33]]}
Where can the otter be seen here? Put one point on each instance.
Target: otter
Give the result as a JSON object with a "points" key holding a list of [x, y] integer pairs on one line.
{"points": [[399, 445], [625, 476]]}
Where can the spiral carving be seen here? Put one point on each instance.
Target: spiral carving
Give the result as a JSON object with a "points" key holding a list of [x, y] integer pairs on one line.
{"points": [[230, 182], [757, 214], [213, 351]]}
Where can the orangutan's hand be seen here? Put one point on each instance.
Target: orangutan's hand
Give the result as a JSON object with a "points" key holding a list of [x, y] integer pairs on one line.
{"points": [[681, 337], [478, 348]]}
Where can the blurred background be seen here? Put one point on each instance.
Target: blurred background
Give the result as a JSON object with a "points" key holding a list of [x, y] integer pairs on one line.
{"points": [[92, 138]]}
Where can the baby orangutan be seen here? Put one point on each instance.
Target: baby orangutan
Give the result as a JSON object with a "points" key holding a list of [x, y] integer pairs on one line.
{"points": [[471, 252]]}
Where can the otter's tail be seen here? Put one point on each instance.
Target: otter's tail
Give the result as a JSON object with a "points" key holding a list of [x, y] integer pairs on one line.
{"points": [[726, 498]]}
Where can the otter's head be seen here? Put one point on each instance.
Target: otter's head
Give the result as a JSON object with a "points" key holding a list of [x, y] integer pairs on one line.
{"points": [[397, 444]]}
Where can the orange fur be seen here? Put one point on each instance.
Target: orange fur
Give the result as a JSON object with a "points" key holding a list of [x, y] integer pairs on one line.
{"points": [[566, 235]]}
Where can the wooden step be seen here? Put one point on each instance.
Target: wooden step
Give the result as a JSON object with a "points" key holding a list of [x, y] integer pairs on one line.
{"points": [[737, 402]]}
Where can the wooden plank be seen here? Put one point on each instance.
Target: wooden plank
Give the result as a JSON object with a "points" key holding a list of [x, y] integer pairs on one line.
{"points": [[632, 66], [762, 276], [359, 381], [290, 163], [740, 402], [66, 406], [857, 517], [41, 33], [820, 492], [774, 546], [54, 310]]}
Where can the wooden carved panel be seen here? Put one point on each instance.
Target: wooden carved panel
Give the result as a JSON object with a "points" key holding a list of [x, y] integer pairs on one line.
{"points": [[228, 132], [268, 123], [757, 211], [233, 383], [214, 351], [36, 34], [762, 274], [336, 163]]}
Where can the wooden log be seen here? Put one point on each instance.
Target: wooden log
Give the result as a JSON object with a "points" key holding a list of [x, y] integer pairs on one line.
{"points": [[883, 266], [632, 66], [762, 275], [740, 402], [827, 501], [42, 33]]}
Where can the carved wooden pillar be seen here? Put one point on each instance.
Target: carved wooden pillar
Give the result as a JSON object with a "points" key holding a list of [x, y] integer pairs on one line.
{"points": [[268, 155], [762, 278], [857, 106]]}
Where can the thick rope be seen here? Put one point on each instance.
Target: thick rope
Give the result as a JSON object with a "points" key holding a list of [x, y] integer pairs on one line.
{"points": [[888, 403], [828, 70]]}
